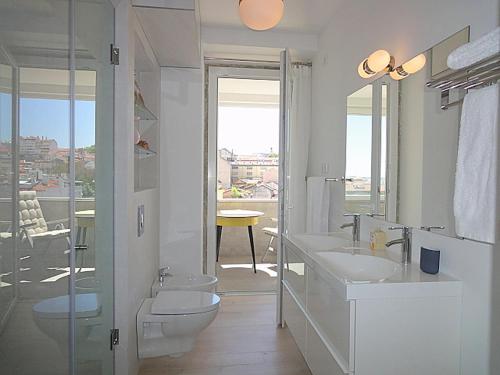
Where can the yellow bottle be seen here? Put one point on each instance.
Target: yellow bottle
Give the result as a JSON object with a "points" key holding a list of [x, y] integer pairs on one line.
{"points": [[378, 239]]}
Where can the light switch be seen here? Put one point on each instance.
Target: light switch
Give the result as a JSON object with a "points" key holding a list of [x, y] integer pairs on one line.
{"points": [[140, 220]]}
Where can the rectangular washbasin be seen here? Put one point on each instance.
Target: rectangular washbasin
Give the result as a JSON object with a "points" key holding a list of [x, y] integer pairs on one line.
{"points": [[357, 268]]}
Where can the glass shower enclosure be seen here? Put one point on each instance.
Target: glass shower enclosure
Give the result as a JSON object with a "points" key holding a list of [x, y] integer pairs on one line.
{"points": [[56, 187]]}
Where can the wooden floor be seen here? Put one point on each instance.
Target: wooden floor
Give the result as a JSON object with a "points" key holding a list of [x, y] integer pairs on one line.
{"points": [[241, 278], [242, 340]]}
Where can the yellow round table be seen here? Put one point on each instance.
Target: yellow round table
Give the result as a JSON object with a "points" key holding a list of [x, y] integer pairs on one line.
{"points": [[238, 218], [85, 219]]}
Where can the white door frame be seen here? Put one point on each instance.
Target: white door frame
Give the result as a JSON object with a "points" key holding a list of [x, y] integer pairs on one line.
{"points": [[214, 73]]}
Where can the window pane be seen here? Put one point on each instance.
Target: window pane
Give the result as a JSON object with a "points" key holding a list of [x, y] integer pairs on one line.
{"points": [[358, 151]]}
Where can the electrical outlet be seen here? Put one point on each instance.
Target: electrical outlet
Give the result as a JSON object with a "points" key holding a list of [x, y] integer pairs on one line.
{"points": [[140, 220]]}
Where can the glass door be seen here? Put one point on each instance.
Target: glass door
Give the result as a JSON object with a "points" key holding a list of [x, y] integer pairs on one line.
{"points": [[56, 127]]}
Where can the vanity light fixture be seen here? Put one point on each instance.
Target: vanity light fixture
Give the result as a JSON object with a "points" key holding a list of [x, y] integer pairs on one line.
{"points": [[261, 14], [378, 61], [409, 67], [381, 60]]}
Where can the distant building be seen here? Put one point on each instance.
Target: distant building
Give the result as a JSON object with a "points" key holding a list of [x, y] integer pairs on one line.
{"points": [[32, 148], [247, 176], [224, 159]]}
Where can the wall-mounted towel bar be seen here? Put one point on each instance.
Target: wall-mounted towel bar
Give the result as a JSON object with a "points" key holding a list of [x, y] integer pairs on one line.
{"points": [[483, 73], [336, 179]]}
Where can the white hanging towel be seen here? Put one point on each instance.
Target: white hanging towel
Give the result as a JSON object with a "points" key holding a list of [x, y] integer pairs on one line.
{"points": [[318, 205], [475, 181], [475, 51]]}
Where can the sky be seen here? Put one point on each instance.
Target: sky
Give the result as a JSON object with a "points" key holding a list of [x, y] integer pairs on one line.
{"points": [[50, 118], [253, 130], [248, 130], [359, 146]]}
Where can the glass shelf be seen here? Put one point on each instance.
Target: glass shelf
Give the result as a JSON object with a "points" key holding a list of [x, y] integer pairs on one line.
{"points": [[142, 153], [143, 114], [144, 125]]}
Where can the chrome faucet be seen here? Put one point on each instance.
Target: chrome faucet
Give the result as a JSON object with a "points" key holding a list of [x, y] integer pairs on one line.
{"points": [[405, 242], [356, 227], [430, 228], [163, 273]]}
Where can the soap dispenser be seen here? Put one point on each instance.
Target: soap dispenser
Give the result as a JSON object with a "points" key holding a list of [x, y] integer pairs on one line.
{"points": [[378, 239]]}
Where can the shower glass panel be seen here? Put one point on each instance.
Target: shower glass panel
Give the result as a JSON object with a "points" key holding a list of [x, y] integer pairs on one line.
{"points": [[94, 185], [7, 281], [56, 249], [35, 327]]}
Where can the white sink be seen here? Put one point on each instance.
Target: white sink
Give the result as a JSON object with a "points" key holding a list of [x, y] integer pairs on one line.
{"points": [[202, 283], [358, 268]]}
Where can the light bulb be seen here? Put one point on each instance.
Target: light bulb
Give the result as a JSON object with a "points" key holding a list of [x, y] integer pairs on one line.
{"points": [[378, 60], [395, 74], [362, 72], [261, 14], [415, 64]]}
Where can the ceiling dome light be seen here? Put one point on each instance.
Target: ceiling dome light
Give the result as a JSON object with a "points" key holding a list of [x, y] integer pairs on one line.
{"points": [[261, 14], [378, 61], [362, 70], [415, 64]]}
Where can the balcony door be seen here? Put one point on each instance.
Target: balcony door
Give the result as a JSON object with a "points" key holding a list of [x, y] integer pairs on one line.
{"points": [[243, 178]]}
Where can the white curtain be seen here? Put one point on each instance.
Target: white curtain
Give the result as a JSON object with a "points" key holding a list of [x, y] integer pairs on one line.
{"points": [[299, 129]]}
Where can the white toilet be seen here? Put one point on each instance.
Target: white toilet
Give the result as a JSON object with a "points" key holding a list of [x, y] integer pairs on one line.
{"points": [[170, 323], [51, 316]]}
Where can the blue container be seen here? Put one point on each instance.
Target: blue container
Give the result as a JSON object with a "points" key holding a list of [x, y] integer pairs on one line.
{"points": [[429, 260]]}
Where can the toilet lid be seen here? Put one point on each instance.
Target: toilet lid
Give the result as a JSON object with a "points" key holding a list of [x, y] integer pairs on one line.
{"points": [[176, 302], [86, 305]]}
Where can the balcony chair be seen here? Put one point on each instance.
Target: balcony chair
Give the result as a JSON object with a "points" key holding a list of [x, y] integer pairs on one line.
{"points": [[32, 224], [272, 233]]}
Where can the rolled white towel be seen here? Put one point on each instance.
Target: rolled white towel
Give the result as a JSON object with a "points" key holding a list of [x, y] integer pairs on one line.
{"points": [[475, 51]]}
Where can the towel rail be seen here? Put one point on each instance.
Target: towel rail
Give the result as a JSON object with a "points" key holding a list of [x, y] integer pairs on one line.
{"points": [[336, 179], [483, 73]]}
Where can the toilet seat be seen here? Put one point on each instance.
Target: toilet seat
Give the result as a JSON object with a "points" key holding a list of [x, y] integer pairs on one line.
{"points": [[183, 302], [87, 305]]}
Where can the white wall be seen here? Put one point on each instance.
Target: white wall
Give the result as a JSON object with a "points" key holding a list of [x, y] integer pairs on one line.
{"points": [[405, 28], [181, 174], [136, 259]]}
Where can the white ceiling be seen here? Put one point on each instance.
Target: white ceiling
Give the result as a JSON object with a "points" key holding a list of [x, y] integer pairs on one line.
{"points": [[308, 16]]}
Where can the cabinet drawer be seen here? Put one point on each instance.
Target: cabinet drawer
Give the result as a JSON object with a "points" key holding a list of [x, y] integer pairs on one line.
{"points": [[294, 273], [295, 320], [333, 315], [318, 358]]}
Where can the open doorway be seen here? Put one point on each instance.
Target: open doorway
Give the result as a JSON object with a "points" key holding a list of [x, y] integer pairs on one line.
{"points": [[243, 212]]}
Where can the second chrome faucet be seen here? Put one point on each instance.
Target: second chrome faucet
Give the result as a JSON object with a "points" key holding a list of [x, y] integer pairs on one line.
{"points": [[356, 227], [405, 242]]}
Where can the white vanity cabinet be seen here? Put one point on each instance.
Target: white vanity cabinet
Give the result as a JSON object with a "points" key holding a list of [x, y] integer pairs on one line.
{"points": [[404, 326]]}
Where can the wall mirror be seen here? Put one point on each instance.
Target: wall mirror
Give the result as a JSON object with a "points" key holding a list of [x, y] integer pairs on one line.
{"points": [[401, 147]]}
